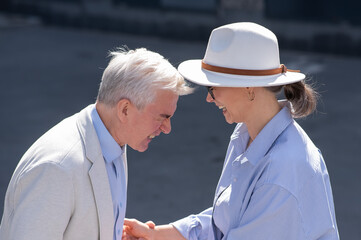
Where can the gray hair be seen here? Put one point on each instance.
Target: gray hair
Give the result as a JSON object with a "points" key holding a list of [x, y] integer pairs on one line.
{"points": [[136, 75]]}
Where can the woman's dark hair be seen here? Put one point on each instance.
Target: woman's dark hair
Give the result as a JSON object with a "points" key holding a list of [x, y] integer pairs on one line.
{"points": [[302, 96]]}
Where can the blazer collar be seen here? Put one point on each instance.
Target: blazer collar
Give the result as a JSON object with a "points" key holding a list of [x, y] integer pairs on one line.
{"points": [[97, 173]]}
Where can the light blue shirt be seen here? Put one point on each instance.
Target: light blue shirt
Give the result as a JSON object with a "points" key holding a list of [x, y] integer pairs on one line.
{"points": [[115, 163], [277, 188]]}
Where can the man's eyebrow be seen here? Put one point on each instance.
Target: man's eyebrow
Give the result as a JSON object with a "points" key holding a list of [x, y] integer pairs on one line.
{"points": [[165, 115]]}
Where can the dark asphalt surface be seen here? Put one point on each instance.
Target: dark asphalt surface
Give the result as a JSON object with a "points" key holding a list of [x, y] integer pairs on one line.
{"points": [[49, 73]]}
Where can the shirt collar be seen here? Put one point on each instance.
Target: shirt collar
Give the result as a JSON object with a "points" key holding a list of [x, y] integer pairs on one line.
{"points": [[110, 148], [268, 135]]}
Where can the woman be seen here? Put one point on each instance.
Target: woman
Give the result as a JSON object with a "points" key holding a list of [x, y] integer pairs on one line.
{"points": [[274, 183]]}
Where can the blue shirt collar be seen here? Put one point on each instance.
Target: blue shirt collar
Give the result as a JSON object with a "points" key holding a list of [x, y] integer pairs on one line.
{"points": [[110, 148], [268, 135]]}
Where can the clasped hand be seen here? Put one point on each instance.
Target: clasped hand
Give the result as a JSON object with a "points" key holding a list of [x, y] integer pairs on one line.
{"points": [[136, 230]]}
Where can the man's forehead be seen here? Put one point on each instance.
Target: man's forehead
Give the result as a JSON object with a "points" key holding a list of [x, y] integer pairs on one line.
{"points": [[164, 105], [165, 109]]}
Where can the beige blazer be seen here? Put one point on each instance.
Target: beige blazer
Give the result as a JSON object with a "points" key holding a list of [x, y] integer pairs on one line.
{"points": [[60, 188]]}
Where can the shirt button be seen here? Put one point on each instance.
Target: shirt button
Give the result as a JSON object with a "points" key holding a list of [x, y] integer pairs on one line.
{"points": [[118, 231], [235, 164], [234, 179]]}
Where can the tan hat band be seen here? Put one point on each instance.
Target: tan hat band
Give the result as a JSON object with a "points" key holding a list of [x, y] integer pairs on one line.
{"points": [[234, 71]]}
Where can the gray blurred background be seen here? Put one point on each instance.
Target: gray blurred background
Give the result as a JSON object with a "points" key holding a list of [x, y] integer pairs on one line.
{"points": [[53, 52]]}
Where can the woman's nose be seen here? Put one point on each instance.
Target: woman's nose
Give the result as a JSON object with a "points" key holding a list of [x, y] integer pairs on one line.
{"points": [[209, 98]]}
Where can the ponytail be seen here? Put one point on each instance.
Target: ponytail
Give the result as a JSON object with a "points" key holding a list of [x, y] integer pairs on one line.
{"points": [[302, 97]]}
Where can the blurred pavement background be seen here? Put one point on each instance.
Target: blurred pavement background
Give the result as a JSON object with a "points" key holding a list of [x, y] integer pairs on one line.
{"points": [[50, 69]]}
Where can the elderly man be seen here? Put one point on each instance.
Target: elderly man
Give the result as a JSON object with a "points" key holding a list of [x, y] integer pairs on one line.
{"points": [[72, 182]]}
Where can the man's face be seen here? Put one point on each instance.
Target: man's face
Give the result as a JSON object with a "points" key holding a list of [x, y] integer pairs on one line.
{"points": [[154, 118]]}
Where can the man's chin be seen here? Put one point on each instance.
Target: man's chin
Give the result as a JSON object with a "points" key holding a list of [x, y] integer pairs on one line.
{"points": [[140, 148]]}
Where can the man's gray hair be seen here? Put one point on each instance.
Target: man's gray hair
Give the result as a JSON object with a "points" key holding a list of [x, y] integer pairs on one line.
{"points": [[136, 75]]}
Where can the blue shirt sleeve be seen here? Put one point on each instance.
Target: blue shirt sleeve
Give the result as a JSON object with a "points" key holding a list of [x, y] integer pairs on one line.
{"points": [[272, 213], [195, 227]]}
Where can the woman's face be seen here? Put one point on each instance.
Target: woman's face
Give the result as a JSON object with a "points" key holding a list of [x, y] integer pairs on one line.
{"points": [[233, 102]]}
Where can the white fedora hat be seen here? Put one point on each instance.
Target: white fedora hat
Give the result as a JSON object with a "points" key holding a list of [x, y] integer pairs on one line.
{"points": [[240, 55]]}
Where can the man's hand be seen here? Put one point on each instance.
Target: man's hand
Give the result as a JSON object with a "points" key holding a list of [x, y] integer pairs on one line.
{"points": [[134, 229]]}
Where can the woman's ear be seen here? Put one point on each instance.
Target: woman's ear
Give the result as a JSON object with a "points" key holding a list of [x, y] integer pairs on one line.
{"points": [[251, 94]]}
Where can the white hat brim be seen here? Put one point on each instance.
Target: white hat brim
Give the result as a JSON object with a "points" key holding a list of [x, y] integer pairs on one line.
{"points": [[192, 71]]}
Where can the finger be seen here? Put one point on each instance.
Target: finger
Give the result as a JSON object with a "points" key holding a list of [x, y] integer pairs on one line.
{"points": [[128, 221], [128, 237], [150, 224], [127, 229], [126, 232]]}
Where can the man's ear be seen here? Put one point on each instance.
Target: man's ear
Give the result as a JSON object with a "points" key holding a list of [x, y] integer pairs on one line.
{"points": [[123, 107]]}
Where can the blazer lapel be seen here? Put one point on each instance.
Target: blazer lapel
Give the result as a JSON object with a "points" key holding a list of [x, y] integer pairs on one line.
{"points": [[103, 199], [98, 174]]}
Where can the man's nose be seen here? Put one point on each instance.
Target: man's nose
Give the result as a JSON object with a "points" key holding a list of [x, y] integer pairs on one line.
{"points": [[166, 126]]}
